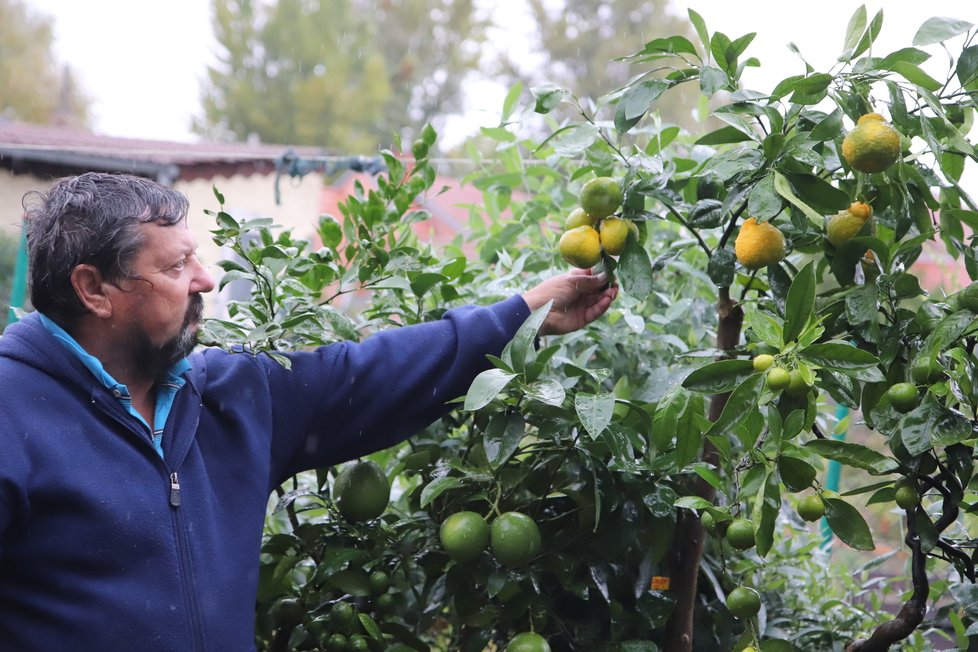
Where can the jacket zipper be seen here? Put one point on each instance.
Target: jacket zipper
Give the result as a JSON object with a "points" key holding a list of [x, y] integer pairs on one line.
{"points": [[186, 568]]}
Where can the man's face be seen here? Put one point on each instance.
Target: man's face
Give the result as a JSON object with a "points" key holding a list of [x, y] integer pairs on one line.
{"points": [[159, 314]]}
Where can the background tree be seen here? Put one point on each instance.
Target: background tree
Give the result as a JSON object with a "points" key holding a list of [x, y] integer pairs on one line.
{"points": [[344, 75], [576, 43], [35, 88]]}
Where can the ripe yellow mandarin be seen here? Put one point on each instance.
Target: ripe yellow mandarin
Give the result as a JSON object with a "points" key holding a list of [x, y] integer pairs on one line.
{"points": [[578, 217], [581, 247], [614, 234], [759, 244], [844, 225], [872, 146]]}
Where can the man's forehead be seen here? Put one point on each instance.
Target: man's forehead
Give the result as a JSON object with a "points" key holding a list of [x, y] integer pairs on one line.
{"points": [[168, 236]]}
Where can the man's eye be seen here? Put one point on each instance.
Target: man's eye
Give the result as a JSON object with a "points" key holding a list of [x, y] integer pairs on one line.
{"points": [[179, 266]]}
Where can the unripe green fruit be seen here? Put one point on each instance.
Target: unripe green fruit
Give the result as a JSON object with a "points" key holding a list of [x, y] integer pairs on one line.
{"points": [[904, 397], [797, 387], [906, 497], [740, 534], [778, 378], [763, 362], [811, 508]]}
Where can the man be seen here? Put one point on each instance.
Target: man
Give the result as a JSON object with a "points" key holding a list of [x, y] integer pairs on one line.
{"points": [[133, 474]]}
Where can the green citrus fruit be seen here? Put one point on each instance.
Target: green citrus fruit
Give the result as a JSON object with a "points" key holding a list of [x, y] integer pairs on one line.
{"points": [[600, 197], [288, 612], [811, 508], [904, 397], [906, 496], [342, 615], [464, 535], [515, 539], [872, 146], [361, 491], [926, 464], [926, 370], [336, 643], [759, 244], [357, 643], [968, 298], [763, 362], [744, 602], [378, 582], [797, 386], [578, 217], [778, 378], [581, 247], [528, 642], [740, 534], [614, 234]]}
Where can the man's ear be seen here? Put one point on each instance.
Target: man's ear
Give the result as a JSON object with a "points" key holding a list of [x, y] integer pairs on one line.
{"points": [[90, 287]]}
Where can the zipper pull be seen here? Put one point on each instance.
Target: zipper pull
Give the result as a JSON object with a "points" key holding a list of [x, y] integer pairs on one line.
{"points": [[174, 490]]}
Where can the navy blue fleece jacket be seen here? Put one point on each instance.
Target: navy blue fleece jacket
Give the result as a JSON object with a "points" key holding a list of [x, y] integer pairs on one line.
{"points": [[99, 550]]}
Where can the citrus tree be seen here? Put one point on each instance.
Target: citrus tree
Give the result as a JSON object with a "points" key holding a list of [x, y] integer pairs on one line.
{"points": [[645, 484]]}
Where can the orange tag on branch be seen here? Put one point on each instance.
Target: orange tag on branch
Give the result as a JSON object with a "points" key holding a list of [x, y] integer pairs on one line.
{"points": [[660, 583]]}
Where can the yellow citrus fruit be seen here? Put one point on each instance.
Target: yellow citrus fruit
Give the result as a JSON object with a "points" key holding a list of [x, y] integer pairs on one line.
{"points": [[904, 397], [740, 534], [464, 535], [600, 197], [581, 246], [844, 225], [763, 362], [872, 146], [361, 491], [613, 233], [797, 386], [778, 378], [811, 508], [744, 602], [515, 539], [578, 217], [759, 244], [528, 642]]}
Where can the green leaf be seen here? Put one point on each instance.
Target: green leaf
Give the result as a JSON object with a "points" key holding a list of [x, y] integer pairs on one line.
{"points": [[594, 411], [370, 626], [547, 391], [938, 30], [869, 36], [520, 348], [855, 455], [639, 98], [854, 30], [721, 268], [486, 387], [437, 487], [764, 203], [765, 513], [967, 67], [829, 127], [330, 232], [800, 303], [839, 356], [766, 327], [718, 377], [740, 403], [848, 524], [700, 25], [547, 98], [689, 435], [712, 80], [796, 473], [503, 436], [932, 424], [783, 188], [674, 44], [722, 136], [906, 55], [575, 140], [693, 502], [706, 214], [635, 270], [512, 97], [915, 75]]}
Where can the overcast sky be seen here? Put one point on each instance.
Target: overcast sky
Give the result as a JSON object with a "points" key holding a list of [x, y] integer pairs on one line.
{"points": [[143, 62]]}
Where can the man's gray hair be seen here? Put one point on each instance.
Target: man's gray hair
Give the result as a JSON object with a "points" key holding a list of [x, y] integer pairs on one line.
{"points": [[90, 219]]}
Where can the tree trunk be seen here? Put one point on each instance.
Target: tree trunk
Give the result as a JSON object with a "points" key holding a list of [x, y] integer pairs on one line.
{"points": [[688, 545]]}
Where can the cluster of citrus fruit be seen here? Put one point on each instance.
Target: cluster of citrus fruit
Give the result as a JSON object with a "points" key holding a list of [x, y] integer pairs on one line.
{"points": [[592, 227], [513, 537], [340, 627], [743, 601], [781, 379]]}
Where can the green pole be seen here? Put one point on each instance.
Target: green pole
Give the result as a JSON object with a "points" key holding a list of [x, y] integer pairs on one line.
{"points": [[833, 474], [18, 290]]}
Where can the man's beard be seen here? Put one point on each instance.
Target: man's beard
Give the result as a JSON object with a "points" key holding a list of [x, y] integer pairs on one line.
{"points": [[155, 360]]}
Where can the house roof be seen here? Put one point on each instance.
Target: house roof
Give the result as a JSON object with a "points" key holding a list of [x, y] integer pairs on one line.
{"points": [[56, 151]]}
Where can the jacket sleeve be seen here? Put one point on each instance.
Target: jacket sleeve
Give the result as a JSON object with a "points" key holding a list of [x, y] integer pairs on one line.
{"points": [[346, 400]]}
